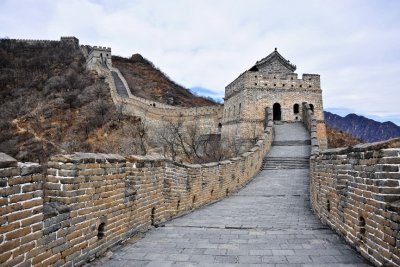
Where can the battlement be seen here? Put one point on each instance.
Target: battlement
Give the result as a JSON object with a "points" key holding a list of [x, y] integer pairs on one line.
{"points": [[70, 41], [259, 80], [101, 48]]}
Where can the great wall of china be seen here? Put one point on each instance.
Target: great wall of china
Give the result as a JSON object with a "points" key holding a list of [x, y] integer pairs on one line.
{"points": [[78, 206]]}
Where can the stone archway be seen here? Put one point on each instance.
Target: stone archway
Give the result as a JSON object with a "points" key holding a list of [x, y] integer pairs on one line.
{"points": [[276, 111]]}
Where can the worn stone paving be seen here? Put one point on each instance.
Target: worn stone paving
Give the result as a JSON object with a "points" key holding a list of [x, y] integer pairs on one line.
{"points": [[267, 223]]}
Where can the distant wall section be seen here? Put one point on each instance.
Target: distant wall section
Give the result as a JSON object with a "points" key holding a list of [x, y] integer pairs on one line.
{"points": [[207, 118]]}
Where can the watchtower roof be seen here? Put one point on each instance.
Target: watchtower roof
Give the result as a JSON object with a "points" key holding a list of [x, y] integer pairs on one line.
{"points": [[271, 58]]}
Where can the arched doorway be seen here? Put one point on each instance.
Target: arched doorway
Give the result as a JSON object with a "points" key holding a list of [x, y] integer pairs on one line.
{"points": [[277, 114]]}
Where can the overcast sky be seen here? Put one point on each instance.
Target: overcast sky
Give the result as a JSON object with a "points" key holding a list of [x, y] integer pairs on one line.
{"points": [[354, 45]]}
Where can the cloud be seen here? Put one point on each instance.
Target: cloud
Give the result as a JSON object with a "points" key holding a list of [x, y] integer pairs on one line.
{"points": [[354, 45]]}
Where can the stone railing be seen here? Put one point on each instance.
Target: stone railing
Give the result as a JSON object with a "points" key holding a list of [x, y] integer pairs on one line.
{"points": [[85, 203], [316, 128], [356, 191]]}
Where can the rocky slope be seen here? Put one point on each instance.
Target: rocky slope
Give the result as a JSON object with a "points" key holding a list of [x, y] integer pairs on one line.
{"points": [[338, 138], [362, 128]]}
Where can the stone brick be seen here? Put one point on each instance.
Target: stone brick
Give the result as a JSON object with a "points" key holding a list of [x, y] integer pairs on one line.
{"points": [[41, 257], [25, 247], [18, 233], [5, 256], [20, 197], [9, 245]]}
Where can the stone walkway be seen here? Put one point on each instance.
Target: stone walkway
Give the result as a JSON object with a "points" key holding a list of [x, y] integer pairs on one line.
{"points": [[267, 223]]}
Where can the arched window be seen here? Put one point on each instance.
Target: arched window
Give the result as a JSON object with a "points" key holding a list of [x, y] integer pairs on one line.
{"points": [[229, 112], [219, 127], [296, 108], [312, 107]]}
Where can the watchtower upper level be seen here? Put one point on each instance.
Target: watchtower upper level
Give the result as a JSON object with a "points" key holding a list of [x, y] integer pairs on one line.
{"points": [[273, 72]]}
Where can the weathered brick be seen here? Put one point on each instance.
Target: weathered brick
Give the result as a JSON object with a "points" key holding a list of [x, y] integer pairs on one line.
{"points": [[18, 233], [52, 260], [32, 220], [4, 256], [20, 197], [41, 257], [9, 245], [25, 247], [9, 227]]}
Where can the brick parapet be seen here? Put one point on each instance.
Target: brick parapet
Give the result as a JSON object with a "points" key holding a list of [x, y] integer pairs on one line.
{"points": [[86, 203], [356, 191]]}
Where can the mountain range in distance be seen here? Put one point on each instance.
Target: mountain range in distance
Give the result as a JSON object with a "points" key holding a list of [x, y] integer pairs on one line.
{"points": [[363, 128]]}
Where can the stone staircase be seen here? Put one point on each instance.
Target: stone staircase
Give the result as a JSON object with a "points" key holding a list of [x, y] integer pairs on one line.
{"points": [[119, 85], [290, 149], [285, 163]]}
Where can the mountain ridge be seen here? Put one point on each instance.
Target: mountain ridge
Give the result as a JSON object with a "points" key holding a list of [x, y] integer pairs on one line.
{"points": [[366, 129]]}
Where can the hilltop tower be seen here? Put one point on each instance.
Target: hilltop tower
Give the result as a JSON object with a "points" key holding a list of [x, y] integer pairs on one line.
{"points": [[99, 55], [271, 82]]}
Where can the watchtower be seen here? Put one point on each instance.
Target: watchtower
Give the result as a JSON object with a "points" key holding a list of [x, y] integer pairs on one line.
{"points": [[271, 82], [100, 55], [70, 40]]}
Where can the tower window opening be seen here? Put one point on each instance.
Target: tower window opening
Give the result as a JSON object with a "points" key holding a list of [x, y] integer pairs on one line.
{"points": [[101, 230], [153, 213], [296, 108], [362, 225]]}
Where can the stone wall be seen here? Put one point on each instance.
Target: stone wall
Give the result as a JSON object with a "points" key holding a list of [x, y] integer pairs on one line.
{"points": [[356, 191], [86, 203], [67, 41]]}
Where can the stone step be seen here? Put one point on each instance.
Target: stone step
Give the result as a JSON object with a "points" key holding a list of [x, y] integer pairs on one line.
{"points": [[276, 163], [292, 143]]}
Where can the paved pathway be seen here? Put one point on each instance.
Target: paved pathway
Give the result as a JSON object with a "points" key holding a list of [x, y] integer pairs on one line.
{"points": [[267, 223]]}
